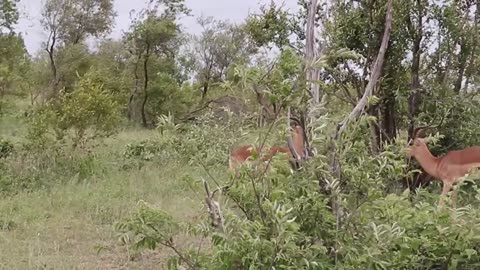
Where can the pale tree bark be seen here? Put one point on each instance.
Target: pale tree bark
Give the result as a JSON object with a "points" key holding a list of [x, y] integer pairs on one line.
{"points": [[311, 52], [376, 72], [355, 114], [312, 75]]}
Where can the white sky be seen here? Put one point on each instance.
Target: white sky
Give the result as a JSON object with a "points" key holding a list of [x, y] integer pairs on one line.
{"points": [[233, 10]]}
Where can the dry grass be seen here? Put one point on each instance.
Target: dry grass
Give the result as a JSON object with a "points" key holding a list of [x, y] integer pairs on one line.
{"points": [[70, 226]]}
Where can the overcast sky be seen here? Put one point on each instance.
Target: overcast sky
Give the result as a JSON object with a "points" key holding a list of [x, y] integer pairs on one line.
{"points": [[233, 10]]}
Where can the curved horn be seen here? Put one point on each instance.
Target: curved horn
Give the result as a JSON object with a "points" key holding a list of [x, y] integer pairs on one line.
{"points": [[294, 119], [417, 131]]}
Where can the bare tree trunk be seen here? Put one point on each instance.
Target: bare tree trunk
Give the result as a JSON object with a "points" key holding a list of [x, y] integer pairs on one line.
{"points": [[471, 64], [206, 81], [135, 88], [463, 56], [51, 55], [311, 52], [312, 75], [145, 86], [361, 105], [415, 96], [376, 72]]}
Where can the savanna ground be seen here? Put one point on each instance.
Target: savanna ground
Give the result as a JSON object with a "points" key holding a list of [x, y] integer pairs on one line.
{"points": [[69, 225]]}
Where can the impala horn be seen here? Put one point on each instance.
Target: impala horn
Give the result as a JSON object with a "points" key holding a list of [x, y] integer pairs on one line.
{"points": [[419, 130]]}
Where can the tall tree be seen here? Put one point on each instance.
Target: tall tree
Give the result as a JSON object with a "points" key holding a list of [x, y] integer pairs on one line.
{"points": [[13, 55], [154, 33], [217, 49], [71, 22]]}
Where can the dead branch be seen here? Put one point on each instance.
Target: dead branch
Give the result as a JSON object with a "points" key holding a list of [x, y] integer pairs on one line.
{"points": [[356, 112], [214, 210], [376, 72]]}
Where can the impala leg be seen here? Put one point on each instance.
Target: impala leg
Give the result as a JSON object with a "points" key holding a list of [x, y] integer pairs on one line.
{"points": [[455, 193], [446, 188]]}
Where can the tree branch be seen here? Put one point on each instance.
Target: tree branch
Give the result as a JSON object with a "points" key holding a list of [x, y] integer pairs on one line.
{"points": [[376, 72]]}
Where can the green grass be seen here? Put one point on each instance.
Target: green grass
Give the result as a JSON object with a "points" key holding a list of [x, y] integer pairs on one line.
{"points": [[70, 225], [11, 121]]}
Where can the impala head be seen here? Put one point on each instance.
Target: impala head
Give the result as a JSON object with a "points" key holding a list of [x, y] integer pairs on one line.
{"points": [[415, 146], [417, 143]]}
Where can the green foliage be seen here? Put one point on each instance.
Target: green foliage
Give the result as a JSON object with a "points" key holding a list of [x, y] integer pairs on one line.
{"points": [[273, 26], [39, 135], [148, 229], [73, 21], [88, 106], [8, 15], [217, 50], [111, 68], [88, 111], [359, 215], [153, 43], [13, 63], [73, 61], [167, 96], [6, 148]]}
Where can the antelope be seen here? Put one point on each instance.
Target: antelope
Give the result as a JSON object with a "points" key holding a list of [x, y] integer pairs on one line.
{"points": [[241, 155], [449, 168]]}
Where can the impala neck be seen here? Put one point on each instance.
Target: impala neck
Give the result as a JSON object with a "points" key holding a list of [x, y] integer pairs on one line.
{"points": [[427, 161], [298, 142]]}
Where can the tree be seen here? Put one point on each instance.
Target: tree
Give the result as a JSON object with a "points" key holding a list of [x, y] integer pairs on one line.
{"points": [[112, 66], [8, 15], [153, 35], [14, 61], [71, 22], [218, 48]]}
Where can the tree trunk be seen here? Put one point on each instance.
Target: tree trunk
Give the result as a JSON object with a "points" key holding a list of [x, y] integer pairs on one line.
{"points": [[471, 65], [204, 90], [145, 86], [51, 55], [135, 89], [359, 109], [461, 68], [376, 72], [389, 124], [416, 34], [311, 52], [415, 96], [206, 81]]}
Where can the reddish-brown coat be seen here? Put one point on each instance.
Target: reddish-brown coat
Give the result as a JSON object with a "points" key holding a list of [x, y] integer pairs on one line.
{"points": [[448, 168], [240, 155]]}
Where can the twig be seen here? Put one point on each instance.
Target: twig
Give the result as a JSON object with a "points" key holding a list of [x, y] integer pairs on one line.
{"points": [[188, 261], [213, 208]]}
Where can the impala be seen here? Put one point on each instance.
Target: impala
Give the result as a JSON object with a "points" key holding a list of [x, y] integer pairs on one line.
{"points": [[449, 168], [242, 154]]}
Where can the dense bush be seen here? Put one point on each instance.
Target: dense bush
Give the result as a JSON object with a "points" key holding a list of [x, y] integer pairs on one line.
{"points": [[87, 112], [284, 220], [6, 148]]}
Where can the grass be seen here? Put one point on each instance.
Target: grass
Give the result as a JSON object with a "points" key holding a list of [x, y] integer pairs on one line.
{"points": [[70, 225]]}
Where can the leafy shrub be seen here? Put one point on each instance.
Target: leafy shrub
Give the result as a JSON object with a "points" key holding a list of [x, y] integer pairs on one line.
{"points": [[6, 148], [88, 106], [284, 219], [88, 111]]}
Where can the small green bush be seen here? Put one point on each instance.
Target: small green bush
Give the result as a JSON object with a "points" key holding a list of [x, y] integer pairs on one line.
{"points": [[6, 148]]}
